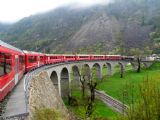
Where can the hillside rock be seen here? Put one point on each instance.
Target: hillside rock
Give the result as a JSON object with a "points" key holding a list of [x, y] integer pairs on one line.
{"points": [[99, 29]]}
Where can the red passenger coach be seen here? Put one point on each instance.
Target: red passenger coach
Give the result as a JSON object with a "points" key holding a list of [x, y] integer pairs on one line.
{"points": [[52, 58], [68, 58], [83, 57], [12, 67], [113, 57], [33, 60], [97, 57]]}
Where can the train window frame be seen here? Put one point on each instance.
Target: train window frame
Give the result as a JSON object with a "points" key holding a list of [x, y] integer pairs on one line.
{"points": [[21, 62], [22, 59], [6, 63], [32, 59]]}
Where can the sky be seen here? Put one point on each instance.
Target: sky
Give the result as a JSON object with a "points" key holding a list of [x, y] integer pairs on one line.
{"points": [[14, 10]]}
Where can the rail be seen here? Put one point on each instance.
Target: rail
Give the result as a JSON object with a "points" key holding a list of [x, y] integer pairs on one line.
{"points": [[115, 104]]}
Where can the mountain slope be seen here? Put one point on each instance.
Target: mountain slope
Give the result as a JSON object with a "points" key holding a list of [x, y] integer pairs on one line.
{"points": [[101, 29]]}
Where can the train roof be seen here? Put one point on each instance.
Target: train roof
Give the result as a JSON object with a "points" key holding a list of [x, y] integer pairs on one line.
{"points": [[54, 54], [31, 52], [9, 46]]}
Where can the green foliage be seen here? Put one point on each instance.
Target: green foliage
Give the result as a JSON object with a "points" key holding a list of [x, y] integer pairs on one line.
{"points": [[101, 111], [46, 114], [148, 106], [131, 78]]}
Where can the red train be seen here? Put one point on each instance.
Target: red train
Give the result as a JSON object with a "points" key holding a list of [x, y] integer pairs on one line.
{"points": [[15, 62]]}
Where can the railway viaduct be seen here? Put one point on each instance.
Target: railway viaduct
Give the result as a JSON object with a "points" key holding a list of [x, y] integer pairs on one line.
{"points": [[64, 76]]}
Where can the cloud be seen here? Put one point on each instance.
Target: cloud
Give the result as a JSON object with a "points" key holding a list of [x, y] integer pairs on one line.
{"points": [[13, 10]]}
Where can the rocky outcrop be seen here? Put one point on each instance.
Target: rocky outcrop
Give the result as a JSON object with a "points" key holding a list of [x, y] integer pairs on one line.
{"points": [[44, 95]]}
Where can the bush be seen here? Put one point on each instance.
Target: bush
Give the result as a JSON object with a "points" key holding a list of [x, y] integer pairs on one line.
{"points": [[46, 114], [148, 107]]}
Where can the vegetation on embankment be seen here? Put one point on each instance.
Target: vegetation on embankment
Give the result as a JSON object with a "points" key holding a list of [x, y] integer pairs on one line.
{"points": [[48, 114], [126, 89]]}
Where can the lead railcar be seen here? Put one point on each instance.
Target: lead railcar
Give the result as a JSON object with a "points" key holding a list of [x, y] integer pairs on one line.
{"points": [[12, 67]]}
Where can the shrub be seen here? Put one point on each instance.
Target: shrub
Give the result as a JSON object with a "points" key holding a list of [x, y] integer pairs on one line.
{"points": [[46, 114], [148, 107]]}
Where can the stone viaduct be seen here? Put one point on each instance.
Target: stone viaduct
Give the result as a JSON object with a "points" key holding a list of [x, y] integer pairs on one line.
{"points": [[65, 74]]}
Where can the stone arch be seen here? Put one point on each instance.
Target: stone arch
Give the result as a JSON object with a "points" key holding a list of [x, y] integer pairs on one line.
{"points": [[145, 65], [121, 66], [109, 67], [86, 71], [134, 65], [76, 76], [104, 71], [54, 79], [64, 82], [97, 73]]}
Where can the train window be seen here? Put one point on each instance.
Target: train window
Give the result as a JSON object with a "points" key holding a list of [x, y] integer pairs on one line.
{"points": [[21, 61], [5, 63], [8, 58], [32, 59], [54, 57], [41, 58], [1, 64]]}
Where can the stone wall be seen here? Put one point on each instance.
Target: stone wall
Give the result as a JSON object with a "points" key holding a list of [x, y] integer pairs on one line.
{"points": [[44, 95]]}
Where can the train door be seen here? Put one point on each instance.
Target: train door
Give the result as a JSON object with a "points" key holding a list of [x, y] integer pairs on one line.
{"points": [[38, 58], [16, 68]]}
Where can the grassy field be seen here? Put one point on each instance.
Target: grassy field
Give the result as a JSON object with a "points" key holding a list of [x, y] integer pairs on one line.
{"points": [[126, 89], [100, 109]]}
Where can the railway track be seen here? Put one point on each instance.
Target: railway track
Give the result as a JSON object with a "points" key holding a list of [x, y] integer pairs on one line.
{"points": [[110, 101]]}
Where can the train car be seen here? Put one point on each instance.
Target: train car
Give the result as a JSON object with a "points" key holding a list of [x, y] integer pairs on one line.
{"points": [[12, 67], [68, 58], [128, 58], [83, 57], [97, 57], [113, 57], [53, 58], [33, 60]]}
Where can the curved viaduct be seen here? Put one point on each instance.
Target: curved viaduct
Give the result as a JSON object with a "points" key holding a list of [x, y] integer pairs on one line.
{"points": [[62, 74]]}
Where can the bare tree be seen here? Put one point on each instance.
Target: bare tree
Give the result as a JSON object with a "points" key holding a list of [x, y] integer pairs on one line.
{"points": [[139, 54]]}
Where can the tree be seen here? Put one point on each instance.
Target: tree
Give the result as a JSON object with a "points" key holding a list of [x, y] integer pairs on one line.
{"points": [[139, 54], [92, 83], [84, 75], [92, 87], [121, 72]]}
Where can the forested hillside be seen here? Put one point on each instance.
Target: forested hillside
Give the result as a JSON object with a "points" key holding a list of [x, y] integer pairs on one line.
{"points": [[113, 28]]}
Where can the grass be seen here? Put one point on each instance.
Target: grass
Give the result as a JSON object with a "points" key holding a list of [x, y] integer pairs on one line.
{"points": [[124, 89], [100, 110], [127, 87]]}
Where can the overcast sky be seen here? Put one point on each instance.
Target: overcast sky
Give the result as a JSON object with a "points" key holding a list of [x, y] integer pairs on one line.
{"points": [[13, 10]]}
